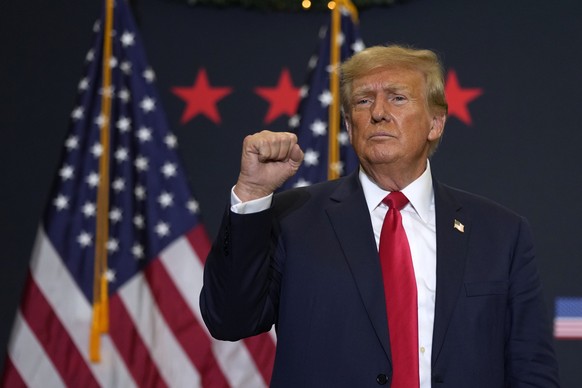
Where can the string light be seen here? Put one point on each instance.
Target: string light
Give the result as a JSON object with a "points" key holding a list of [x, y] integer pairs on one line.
{"points": [[331, 5], [306, 4]]}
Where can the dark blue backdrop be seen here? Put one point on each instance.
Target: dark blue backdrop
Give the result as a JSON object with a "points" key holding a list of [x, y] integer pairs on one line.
{"points": [[521, 149]]}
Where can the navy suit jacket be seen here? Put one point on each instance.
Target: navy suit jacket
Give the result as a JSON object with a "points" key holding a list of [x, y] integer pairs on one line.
{"points": [[309, 265]]}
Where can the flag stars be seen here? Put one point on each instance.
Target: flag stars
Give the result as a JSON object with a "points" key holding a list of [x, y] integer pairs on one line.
{"points": [[171, 141], [193, 206], [84, 239], [88, 209], [101, 120], [124, 95], [141, 163], [83, 84], [358, 46], [294, 121], [112, 245], [148, 104], [121, 154], [149, 75], [61, 202], [72, 143], [139, 221], [66, 172], [113, 62], [343, 138], [139, 192], [144, 134], [169, 170], [118, 185], [97, 150], [162, 229], [337, 167], [318, 127], [312, 62], [110, 275], [78, 113], [127, 39], [123, 124], [108, 91], [166, 199], [90, 56], [311, 157], [303, 91], [302, 183], [325, 98], [137, 251], [93, 180], [115, 215], [125, 67]]}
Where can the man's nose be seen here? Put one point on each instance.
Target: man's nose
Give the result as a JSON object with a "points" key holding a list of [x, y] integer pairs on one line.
{"points": [[379, 111]]}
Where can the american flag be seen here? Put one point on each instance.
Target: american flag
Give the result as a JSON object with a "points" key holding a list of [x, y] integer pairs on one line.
{"points": [[155, 249], [312, 122], [568, 318]]}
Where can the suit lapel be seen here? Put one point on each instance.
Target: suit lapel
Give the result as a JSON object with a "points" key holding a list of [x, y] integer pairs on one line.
{"points": [[349, 213], [453, 228]]}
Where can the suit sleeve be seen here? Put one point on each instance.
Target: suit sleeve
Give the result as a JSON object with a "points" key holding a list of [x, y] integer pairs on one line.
{"points": [[241, 277], [530, 358]]}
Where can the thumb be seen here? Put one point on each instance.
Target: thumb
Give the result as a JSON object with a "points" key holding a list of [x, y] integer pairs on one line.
{"points": [[296, 156]]}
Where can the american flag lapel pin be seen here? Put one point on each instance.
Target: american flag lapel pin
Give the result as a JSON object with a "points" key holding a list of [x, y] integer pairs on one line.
{"points": [[459, 226]]}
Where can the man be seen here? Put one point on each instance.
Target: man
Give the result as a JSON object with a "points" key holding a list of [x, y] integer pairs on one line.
{"points": [[307, 259]]}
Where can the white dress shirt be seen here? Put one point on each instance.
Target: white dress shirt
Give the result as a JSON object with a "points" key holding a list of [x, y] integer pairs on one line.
{"points": [[418, 219]]}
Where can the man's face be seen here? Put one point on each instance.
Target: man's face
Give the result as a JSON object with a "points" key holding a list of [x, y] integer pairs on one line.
{"points": [[389, 122]]}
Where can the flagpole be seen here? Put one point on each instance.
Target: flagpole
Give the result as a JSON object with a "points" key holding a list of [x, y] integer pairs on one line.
{"points": [[100, 321], [333, 148], [334, 169]]}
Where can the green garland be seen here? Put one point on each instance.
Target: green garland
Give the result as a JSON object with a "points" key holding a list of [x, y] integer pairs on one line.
{"points": [[284, 5]]}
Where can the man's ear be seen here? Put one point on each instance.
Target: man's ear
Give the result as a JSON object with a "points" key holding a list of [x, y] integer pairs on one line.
{"points": [[348, 124], [438, 126]]}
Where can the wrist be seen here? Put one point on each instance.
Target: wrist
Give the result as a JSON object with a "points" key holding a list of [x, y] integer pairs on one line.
{"points": [[248, 192]]}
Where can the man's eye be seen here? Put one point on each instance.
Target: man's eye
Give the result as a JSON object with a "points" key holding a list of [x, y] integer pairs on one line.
{"points": [[362, 101], [398, 99]]}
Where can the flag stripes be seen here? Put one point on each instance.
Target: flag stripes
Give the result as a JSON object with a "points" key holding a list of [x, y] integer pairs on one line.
{"points": [[128, 339], [54, 338], [167, 345], [568, 318]]}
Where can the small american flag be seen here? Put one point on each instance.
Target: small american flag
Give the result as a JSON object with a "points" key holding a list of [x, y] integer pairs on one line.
{"points": [[155, 249], [312, 122], [568, 318]]}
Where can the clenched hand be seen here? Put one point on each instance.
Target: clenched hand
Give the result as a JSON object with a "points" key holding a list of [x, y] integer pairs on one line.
{"points": [[268, 160]]}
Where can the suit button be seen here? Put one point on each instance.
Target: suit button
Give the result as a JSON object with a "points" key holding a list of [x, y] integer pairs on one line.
{"points": [[381, 379], [437, 379]]}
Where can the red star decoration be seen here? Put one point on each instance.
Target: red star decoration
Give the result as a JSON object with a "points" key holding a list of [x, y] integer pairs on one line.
{"points": [[201, 98], [283, 98], [458, 98]]}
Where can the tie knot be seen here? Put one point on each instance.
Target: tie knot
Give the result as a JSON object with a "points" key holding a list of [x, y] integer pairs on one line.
{"points": [[395, 200]]}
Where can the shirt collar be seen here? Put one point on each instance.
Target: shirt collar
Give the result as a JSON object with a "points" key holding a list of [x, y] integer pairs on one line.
{"points": [[420, 193]]}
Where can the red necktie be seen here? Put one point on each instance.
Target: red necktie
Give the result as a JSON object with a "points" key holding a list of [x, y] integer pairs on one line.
{"points": [[400, 293]]}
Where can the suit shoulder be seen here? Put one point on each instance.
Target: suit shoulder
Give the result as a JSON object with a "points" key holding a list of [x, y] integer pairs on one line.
{"points": [[317, 190], [476, 203]]}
